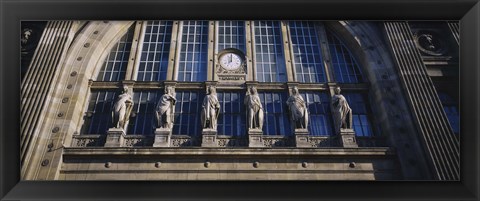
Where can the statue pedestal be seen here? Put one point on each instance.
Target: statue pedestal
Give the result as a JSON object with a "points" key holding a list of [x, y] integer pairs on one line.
{"points": [[115, 137], [209, 137], [301, 137], [255, 138], [347, 138], [162, 137]]}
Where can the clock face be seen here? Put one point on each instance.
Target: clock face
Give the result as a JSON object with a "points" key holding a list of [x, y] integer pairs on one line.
{"points": [[230, 61]]}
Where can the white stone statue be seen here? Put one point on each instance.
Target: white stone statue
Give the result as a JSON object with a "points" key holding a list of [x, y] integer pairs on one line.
{"points": [[297, 109], [210, 109], [254, 109], [165, 110], [122, 109], [341, 111]]}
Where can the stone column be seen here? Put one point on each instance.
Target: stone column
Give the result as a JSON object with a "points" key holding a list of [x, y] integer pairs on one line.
{"points": [[441, 145]]}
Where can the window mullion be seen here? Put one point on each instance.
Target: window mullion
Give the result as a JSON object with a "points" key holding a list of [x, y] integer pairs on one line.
{"points": [[327, 58], [136, 50], [211, 49], [288, 48]]}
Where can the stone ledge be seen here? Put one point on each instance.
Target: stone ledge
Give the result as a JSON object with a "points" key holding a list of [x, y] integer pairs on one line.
{"points": [[166, 151]]}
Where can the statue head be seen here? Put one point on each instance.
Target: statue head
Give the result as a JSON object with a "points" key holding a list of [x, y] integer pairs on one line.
{"points": [[295, 90], [169, 90], [337, 90], [125, 89], [253, 90], [211, 90], [26, 33]]}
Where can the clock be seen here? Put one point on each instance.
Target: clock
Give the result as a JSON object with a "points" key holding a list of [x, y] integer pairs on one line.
{"points": [[231, 65], [230, 61]]}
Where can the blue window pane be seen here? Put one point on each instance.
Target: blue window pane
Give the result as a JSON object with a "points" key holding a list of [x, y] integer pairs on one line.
{"points": [[187, 113], [361, 121], [275, 120], [193, 52], [318, 105], [231, 34], [98, 118], [115, 64], [268, 46], [450, 108], [346, 68], [232, 119], [307, 55], [144, 108], [155, 51]]}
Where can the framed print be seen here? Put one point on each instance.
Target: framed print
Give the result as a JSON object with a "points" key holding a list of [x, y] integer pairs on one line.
{"points": [[239, 100]]}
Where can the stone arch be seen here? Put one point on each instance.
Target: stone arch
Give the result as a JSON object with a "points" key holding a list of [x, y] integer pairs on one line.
{"points": [[82, 62], [389, 106], [70, 91]]}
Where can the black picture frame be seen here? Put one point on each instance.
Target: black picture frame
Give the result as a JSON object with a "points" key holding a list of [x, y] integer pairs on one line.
{"points": [[13, 12]]}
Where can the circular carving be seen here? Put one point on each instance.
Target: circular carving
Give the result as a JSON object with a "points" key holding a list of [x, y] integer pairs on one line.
{"points": [[64, 100], [430, 42], [108, 164], [45, 162], [69, 86], [79, 58], [60, 114], [206, 164], [74, 73], [304, 164], [256, 164], [55, 130], [157, 164], [86, 45], [352, 165]]}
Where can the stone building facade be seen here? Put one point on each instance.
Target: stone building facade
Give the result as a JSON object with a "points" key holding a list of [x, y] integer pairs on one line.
{"points": [[400, 79]]}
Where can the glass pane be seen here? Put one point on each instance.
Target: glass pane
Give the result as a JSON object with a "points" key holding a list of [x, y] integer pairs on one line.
{"points": [[193, 52], [307, 53], [155, 51], [268, 44], [345, 66], [115, 64]]}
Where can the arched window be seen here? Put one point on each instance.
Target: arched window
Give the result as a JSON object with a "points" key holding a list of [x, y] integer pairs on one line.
{"points": [[347, 71], [345, 67], [178, 52], [115, 65]]}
